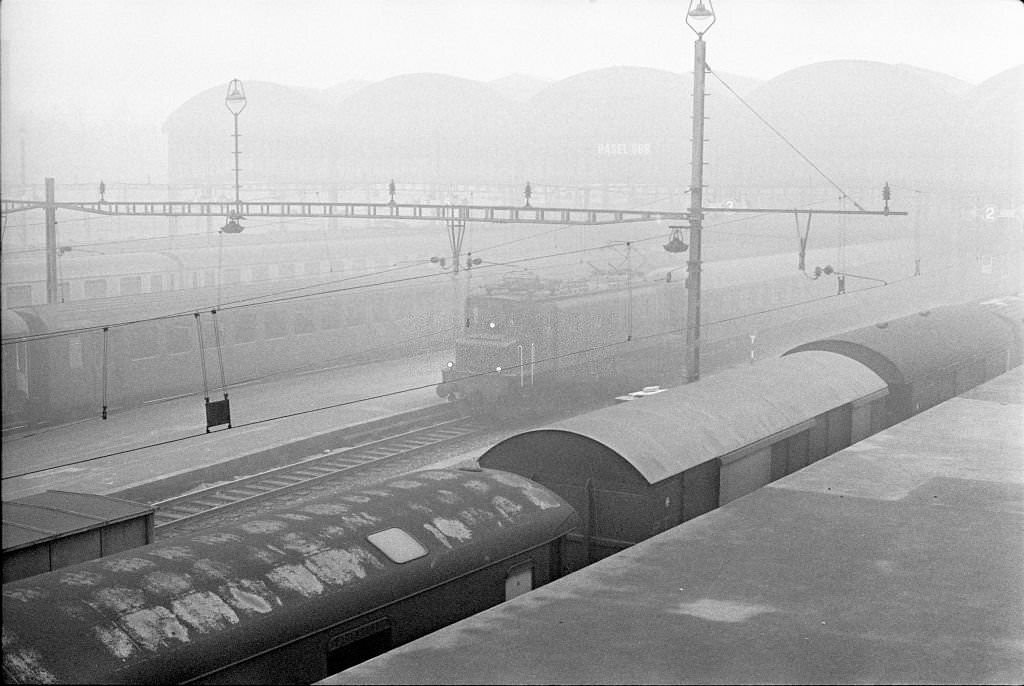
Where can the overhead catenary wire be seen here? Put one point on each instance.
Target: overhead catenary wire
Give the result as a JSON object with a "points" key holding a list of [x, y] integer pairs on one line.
{"points": [[782, 137]]}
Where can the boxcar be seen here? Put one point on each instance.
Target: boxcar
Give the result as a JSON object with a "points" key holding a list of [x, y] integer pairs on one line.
{"points": [[636, 469]]}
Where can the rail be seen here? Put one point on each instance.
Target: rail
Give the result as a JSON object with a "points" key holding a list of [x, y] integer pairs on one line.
{"points": [[273, 482]]}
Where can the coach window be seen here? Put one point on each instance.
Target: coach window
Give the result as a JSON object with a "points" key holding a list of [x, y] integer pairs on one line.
{"points": [[179, 337], [303, 321], [276, 326], [232, 276], [330, 316], [398, 545], [65, 291], [355, 314], [131, 285], [244, 327], [156, 283], [260, 272], [311, 268], [519, 581], [95, 288], [143, 342], [19, 296], [75, 352], [286, 271]]}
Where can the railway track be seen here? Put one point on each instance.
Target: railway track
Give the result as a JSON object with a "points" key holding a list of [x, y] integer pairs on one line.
{"points": [[275, 481]]}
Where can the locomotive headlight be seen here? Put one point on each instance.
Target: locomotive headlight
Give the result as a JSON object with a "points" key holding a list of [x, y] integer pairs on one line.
{"points": [[497, 369], [492, 325], [451, 365]]}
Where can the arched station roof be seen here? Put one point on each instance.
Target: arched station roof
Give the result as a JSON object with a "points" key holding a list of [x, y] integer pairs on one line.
{"points": [[660, 436]]}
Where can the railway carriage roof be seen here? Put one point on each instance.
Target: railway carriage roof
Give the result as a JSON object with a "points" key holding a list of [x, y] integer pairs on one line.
{"points": [[664, 435], [197, 602], [910, 348]]}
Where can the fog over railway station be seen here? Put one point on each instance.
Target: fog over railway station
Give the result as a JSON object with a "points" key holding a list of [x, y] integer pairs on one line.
{"points": [[339, 213]]}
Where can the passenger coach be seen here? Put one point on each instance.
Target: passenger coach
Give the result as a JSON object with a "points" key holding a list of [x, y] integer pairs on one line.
{"points": [[293, 595]]}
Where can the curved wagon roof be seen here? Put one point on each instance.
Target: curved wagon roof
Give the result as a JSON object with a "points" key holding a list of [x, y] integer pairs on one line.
{"points": [[906, 349], [660, 436]]}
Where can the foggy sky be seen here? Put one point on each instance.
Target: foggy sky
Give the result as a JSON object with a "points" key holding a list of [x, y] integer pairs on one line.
{"points": [[88, 84], [137, 60]]}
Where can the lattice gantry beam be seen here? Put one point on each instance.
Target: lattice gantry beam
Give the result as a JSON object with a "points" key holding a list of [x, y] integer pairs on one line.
{"points": [[354, 210]]}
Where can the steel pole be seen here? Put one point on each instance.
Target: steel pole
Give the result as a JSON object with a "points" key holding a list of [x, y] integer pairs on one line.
{"points": [[52, 287], [693, 265], [238, 201]]}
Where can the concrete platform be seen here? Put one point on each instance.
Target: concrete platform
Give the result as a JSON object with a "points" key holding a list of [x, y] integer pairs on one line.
{"points": [[163, 439]]}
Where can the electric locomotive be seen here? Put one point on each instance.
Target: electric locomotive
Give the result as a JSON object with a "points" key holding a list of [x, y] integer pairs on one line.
{"points": [[526, 334]]}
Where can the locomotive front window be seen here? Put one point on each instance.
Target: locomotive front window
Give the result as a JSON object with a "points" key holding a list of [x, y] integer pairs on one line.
{"points": [[398, 545]]}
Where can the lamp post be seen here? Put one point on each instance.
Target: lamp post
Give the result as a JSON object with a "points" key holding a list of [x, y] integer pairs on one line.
{"points": [[235, 102], [699, 18]]}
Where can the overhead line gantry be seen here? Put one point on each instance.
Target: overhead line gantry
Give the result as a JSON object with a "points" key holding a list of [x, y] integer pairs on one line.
{"points": [[500, 214]]}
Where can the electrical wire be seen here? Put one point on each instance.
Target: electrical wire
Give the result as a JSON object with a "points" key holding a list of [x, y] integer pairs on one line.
{"points": [[785, 140]]}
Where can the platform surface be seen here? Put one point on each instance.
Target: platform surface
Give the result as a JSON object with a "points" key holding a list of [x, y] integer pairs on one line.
{"points": [[107, 456]]}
